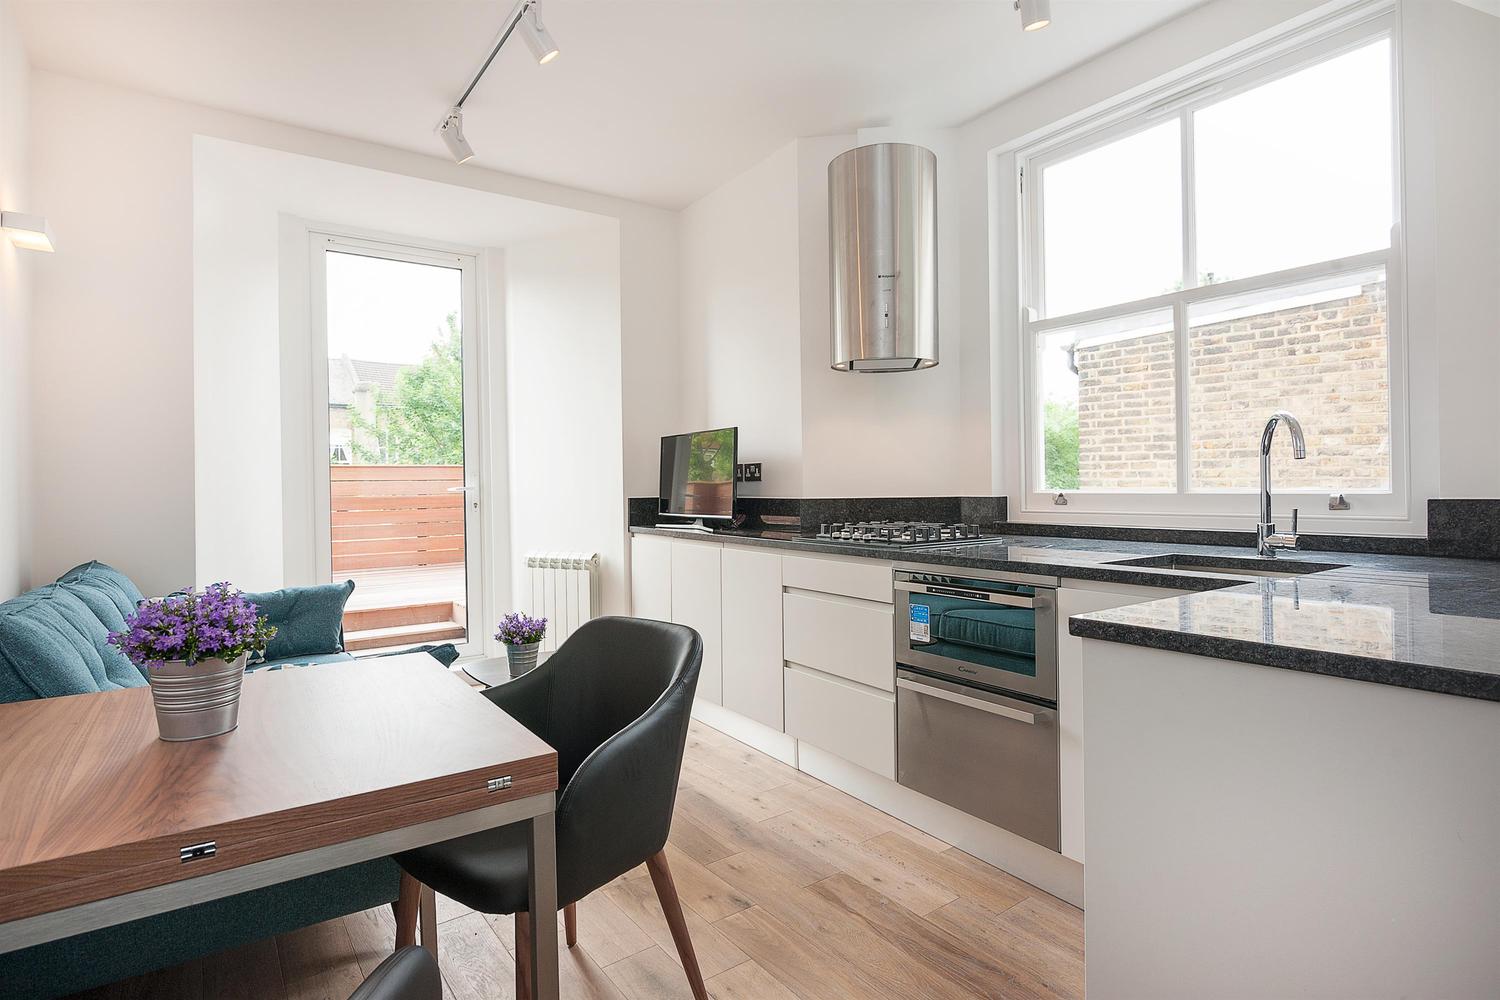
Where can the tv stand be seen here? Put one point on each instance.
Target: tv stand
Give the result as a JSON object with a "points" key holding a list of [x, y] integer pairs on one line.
{"points": [[697, 526]]}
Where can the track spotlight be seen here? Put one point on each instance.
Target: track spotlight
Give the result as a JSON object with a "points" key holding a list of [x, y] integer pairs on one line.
{"points": [[1035, 14], [538, 40], [451, 129], [524, 16]]}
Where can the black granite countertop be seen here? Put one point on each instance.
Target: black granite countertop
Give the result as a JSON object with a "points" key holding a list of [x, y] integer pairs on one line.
{"points": [[1421, 622]]}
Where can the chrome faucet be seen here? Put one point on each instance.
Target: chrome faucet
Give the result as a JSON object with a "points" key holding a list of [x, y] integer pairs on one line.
{"points": [[1267, 538]]}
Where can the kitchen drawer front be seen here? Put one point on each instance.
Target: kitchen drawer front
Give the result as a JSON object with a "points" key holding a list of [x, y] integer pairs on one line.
{"points": [[849, 720], [838, 636], [869, 579]]}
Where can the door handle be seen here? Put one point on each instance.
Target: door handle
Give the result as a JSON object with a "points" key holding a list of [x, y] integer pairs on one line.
{"points": [[988, 596], [968, 701], [457, 489]]}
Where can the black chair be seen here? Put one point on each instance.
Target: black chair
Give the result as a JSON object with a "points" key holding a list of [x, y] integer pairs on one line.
{"points": [[614, 702], [409, 974]]}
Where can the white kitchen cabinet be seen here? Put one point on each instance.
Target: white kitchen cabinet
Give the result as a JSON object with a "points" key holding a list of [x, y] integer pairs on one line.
{"points": [[850, 720], [838, 635], [752, 656], [696, 603], [867, 579], [651, 577], [1077, 598]]}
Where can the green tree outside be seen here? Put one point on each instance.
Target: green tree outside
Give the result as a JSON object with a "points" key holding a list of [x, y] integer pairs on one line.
{"points": [[1060, 431], [422, 421]]}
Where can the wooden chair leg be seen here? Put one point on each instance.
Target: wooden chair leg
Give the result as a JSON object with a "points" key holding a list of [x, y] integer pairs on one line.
{"points": [[523, 956], [406, 911], [666, 894], [570, 922], [428, 909]]}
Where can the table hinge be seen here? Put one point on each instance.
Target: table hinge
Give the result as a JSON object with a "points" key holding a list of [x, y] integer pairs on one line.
{"points": [[193, 852], [498, 784]]}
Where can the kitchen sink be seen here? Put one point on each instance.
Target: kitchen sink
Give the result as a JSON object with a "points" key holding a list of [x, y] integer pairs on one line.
{"points": [[1229, 565]]}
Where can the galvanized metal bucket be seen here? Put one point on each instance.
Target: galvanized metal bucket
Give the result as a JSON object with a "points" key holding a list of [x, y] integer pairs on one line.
{"points": [[522, 658], [198, 701]]}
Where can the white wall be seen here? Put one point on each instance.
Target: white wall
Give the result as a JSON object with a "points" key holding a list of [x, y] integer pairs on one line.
{"points": [[562, 311], [1451, 157], [740, 319], [755, 336], [113, 335], [896, 434], [15, 270]]}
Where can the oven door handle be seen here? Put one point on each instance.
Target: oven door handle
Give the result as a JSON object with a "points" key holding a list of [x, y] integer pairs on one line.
{"points": [[989, 596], [968, 701]]}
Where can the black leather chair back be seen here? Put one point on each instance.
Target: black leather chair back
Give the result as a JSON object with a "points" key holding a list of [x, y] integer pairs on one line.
{"points": [[409, 974], [614, 701]]}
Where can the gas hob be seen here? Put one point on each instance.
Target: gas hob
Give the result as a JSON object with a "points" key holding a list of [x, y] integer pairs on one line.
{"points": [[903, 534]]}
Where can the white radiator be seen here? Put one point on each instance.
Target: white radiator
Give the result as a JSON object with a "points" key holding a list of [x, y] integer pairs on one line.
{"points": [[564, 590]]}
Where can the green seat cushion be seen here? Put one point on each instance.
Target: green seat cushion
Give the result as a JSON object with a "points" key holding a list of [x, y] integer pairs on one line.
{"points": [[1003, 630], [309, 620], [52, 644]]}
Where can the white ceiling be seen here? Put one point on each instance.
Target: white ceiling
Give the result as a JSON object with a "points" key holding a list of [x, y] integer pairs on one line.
{"points": [[654, 100]]}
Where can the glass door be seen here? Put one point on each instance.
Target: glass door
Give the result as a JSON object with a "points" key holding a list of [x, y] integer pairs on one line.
{"points": [[394, 330]]}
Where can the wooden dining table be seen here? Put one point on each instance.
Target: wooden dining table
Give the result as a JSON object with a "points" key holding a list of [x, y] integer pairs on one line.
{"points": [[332, 764]]}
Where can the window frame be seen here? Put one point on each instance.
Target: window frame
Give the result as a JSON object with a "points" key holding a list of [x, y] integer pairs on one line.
{"points": [[1349, 30]]}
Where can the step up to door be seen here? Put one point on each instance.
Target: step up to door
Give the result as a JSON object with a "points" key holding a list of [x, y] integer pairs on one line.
{"points": [[390, 615], [402, 635]]}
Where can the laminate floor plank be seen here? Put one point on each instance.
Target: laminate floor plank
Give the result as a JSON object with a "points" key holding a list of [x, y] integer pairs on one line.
{"points": [[966, 876], [931, 945], [650, 975], [637, 898], [372, 933], [318, 962], [743, 833], [906, 884], [476, 966], [748, 981]]}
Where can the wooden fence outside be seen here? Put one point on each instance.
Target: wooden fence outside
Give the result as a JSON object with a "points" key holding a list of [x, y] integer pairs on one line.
{"points": [[391, 516]]}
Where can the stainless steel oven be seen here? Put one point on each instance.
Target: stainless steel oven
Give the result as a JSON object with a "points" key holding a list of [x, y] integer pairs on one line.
{"points": [[997, 632], [976, 696]]}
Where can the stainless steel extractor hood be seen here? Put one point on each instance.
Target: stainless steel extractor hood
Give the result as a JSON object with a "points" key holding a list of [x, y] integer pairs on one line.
{"points": [[882, 241]]}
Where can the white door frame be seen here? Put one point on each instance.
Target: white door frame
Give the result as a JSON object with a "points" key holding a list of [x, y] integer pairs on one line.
{"points": [[322, 240]]}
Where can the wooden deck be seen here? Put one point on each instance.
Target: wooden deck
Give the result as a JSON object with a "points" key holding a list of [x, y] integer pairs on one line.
{"points": [[391, 608], [793, 891]]}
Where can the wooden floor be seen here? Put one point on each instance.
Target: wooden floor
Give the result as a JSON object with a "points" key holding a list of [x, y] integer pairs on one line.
{"points": [[792, 889]]}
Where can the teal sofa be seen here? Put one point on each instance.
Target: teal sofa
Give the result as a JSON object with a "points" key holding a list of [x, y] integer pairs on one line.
{"points": [[53, 642]]}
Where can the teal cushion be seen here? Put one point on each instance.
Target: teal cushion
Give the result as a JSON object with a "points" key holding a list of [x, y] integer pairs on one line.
{"points": [[308, 620], [305, 660], [121, 588], [1004, 630], [51, 644]]}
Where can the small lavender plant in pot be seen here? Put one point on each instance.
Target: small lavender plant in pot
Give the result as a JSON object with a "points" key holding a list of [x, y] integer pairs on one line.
{"points": [[522, 636], [192, 648]]}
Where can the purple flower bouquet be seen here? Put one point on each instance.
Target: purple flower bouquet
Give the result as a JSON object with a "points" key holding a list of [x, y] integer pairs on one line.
{"points": [[522, 634], [192, 648], [218, 624], [520, 629]]}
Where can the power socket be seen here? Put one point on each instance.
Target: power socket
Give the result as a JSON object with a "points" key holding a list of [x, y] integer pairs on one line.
{"points": [[747, 472]]}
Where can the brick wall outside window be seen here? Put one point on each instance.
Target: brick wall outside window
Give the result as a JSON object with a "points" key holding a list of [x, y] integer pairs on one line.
{"points": [[1326, 362]]}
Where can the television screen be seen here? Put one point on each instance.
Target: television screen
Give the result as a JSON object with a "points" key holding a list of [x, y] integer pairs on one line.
{"points": [[697, 473]]}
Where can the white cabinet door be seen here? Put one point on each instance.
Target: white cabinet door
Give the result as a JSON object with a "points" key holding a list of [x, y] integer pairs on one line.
{"points": [[1072, 602], [838, 635], [696, 603], [855, 722], [752, 634], [651, 577]]}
